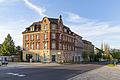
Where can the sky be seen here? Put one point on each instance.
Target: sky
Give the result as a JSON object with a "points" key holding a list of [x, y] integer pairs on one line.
{"points": [[95, 20]]}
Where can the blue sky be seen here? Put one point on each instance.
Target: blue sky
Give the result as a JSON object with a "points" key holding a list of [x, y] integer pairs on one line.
{"points": [[95, 20]]}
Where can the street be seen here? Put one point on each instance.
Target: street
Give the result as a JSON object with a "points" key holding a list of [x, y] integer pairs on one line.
{"points": [[59, 72]]}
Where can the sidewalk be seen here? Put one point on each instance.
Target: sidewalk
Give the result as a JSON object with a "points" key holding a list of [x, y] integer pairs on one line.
{"points": [[103, 73], [24, 64]]}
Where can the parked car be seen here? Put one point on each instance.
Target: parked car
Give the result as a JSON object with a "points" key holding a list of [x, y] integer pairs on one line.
{"points": [[3, 60], [0, 63]]}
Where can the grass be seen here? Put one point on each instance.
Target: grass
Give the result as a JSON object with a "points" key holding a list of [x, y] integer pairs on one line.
{"points": [[111, 65]]}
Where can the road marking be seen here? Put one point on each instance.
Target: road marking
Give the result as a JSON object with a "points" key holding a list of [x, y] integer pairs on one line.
{"points": [[16, 74], [21, 75]]}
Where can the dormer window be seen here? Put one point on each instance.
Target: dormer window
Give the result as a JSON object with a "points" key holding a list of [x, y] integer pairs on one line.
{"points": [[32, 28], [69, 32], [65, 30]]}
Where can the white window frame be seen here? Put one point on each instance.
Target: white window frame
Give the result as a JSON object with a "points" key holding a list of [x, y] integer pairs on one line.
{"points": [[31, 37], [53, 45], [53, 35], [60, 46], [37, 45], [37, 37], [31, 46], [60, 36], [26, 37], [45, 36], [53, 26], [26, 46], [45, 45]]}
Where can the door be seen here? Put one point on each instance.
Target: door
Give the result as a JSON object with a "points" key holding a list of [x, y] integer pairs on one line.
{"points": [[53, 58], [37, 57]]}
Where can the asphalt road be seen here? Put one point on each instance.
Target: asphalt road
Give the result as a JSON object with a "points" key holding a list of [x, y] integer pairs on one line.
{"points": [[61, 72]]}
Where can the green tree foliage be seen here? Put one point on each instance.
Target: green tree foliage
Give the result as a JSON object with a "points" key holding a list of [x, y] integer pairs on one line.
{"points": [[116, 55], [18, 49], [85, 56], [92, 57], [8, 46]]}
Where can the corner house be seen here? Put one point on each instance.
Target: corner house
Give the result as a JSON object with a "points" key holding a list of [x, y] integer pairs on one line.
{"points": [[50, 40]]}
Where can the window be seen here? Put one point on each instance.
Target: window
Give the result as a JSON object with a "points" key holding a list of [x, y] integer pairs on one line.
{"points": [[45, 45], [64, 47], [26, 37], [53, 36], [45, 26], [60, 46], [60, 37], [32, 28], [37, 45], [53, 45], [63, 37], [31, 46], [60, 28], [26, 46], [53, 26], [45, 36], [37, 29], [65, 30], [37, 36], [31, 37]]}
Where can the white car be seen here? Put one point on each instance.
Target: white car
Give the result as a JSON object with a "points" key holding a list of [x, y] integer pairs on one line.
{"points": [[4, 62]]}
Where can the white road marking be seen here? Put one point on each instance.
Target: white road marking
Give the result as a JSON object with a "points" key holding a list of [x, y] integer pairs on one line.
{"points": [[16, 74], [21, 75], [10, 73]]}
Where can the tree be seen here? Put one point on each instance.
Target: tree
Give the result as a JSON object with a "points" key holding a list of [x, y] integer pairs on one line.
{"points": [[8, 46], [19, 52], [85, 56], [18, 49], [99, 54], [92, 57], [116, 55]]}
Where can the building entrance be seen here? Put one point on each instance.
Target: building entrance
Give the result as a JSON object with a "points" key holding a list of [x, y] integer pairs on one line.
{"points": [[53, 58]]}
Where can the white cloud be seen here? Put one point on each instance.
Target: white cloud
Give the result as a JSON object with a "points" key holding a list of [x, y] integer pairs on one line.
{"points": [[89, 27], [39, 9], [93, 29]]}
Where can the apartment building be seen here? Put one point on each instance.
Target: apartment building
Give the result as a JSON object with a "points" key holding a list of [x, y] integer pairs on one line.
{"points": [[50, 40], [88, 47]]}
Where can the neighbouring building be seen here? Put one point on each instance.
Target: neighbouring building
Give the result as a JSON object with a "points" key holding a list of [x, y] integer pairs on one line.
{"points": [[50, 40], [88, 47]]}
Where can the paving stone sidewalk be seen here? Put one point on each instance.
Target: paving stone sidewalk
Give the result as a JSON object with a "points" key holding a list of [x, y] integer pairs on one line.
{"points": [[103, 73]]}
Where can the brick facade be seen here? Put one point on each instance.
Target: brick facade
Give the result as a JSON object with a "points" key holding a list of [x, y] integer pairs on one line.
{"points": [[50, 40]]}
